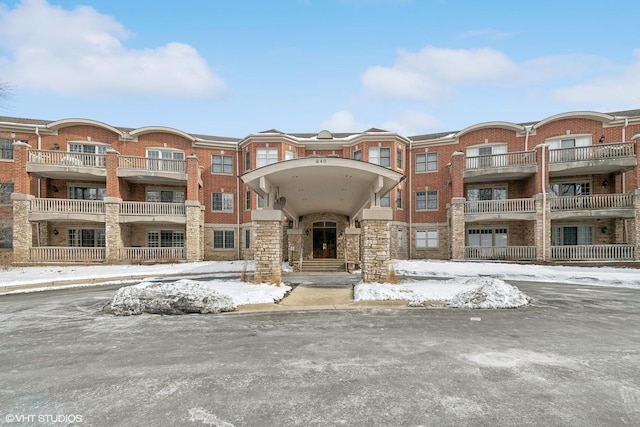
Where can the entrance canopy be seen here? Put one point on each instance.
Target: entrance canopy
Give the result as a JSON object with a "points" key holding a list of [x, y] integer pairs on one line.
{"points": [[321, 184]]}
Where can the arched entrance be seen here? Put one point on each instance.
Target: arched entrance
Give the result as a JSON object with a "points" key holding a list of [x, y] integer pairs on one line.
{"points": [[324, 239]]}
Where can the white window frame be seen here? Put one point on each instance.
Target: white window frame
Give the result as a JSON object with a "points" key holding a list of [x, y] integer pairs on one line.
{"points": [[427, 238], [224, 165], [375, 156], [266, 156], [159, 190], [427, 162], [225, 237], [226, 200]]}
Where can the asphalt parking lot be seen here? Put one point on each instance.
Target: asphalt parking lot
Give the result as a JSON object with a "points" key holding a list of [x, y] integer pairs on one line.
{"points": [[571, 358]]}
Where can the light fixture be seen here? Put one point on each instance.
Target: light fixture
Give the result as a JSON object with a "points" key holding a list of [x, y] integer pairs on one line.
{"points": [[605, 182], [306, 232], [55, 232], [603, 230], [55, 189], [56, 146]]}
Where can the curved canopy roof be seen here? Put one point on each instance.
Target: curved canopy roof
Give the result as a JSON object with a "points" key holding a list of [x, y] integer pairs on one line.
{"points": [[322, 184]]}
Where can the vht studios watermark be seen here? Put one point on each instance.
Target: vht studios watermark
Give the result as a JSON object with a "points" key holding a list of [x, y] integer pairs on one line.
{"points": [[43, 418]]}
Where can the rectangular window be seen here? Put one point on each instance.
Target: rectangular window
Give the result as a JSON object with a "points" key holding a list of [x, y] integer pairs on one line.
{"points": [[86, 193], [487, 237], [86, 238], [385, 201], [571, 188], [99, 161], [222, 202], [399, 158], [400, 238], [426, 239], [6, 149], [247, 239], [487, 193], [247, 200], [426, 200], [357, 155], [572, 235], [222, 164], [223, 239], [165, 196], [380, 156], [260, 201], [426, 162], [247, 160], [288, 155], [399, 198], [266, 156], [165, 239], [165, 160], [6, 189]]}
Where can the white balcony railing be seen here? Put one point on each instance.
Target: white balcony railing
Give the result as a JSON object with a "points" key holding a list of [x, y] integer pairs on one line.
{"points": [[499, 206], [592, 152], [65, 158], [513, 253], [152, 209], [517, 158], [67, 206], [152, 164], [596, 201], [44, 254], [593, 252], [152, 254]]}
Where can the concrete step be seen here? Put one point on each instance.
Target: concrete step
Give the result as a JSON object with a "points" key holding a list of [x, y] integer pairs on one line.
{"points": [[323, 265]]}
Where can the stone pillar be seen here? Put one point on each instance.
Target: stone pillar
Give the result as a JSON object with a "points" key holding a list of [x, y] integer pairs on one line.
{"points": [[193, 232], [458, 226], [375, 245], [352, 242], [295, 248], [22, 232], [457, 174], [112, 230], [635, 231], [543, 227], [267, 226]]}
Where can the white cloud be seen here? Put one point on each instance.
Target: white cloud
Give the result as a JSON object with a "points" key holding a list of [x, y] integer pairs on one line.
{"points": [[80, 51], [412, 122], [343, 121]]}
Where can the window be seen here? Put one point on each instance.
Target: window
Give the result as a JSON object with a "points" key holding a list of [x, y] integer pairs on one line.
{"points": [[266, 156], [572, 235], [99, 160], [426, 162], [426, 200], [385, 201], [426, 239], [165, 239], [357, 155], [222, 202], [260, 201], [400, 238], [222, 164], [486, 156], [86, 193], [247, 160], [166, 160], [247, 239], [86, 238], [399, 158], [487, 193], [288, 155], [380, 156], [247, 200], [399, 198], [6, 189], [570, 188], [487, 237], [6, 149], [223, 239], [165, 196]]}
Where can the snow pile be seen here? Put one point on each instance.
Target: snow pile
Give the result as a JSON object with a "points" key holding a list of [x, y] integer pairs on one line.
{"points": [[490, 293], [181, 297], [468, 292], [190, 296]]}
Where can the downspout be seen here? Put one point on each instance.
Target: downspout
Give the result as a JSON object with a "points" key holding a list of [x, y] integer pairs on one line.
{"points": [[544, 203], [240, 200], [39, 186], [625, 230], [526, 137], [409, 198]]}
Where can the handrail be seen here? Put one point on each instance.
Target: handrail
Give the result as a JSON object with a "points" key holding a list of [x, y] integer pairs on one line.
{"points": [[594, 201], [592, 152], [515, 158]]}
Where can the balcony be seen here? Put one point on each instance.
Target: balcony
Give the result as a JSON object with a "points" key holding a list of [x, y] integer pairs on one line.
{"points": [[593, 253], [592, 159], [156, 212], [593, 206], [42, 209], [509, 209], [60, 254], [147, 170], [506, 166], [65, 165], [144, 255], [502, 253]]}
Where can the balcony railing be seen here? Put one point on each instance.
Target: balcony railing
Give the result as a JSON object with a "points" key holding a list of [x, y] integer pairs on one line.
{"points": [[592, 152], [510, 253], [499, 206], [517, 158], [137, 255], [65, 158], [45, 254], [596, 201], [593, 252], [152, 209], [67, 206], [152, 164]]}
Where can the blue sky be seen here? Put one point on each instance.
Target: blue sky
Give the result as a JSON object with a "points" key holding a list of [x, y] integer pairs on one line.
{"points": [[231, 68]]}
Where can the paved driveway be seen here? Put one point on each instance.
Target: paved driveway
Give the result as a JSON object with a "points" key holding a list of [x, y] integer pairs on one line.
{"points": [[572, 358]]}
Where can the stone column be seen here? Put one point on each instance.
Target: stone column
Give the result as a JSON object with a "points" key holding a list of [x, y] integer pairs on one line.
{"points": [[267, 226], [295, 248], [635, 231], [193, 233], [113, 232], [543, 227], [22, 232], [375, 245], [352, 242], [458, 225]]}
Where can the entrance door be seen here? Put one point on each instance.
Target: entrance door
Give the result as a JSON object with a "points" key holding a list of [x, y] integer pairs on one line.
{"points": [[324, 239]]}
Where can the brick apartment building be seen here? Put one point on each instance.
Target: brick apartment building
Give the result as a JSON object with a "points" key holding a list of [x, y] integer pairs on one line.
{"points": [[562, 189]]}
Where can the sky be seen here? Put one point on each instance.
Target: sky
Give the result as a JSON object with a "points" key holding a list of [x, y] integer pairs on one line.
{"points": [[232, 68]]}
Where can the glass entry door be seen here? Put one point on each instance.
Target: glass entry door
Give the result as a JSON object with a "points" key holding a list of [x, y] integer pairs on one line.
{"points": [[324, 239]]}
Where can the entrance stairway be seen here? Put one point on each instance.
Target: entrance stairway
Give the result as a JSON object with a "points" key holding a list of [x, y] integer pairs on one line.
{"points": [[327, 265]]}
